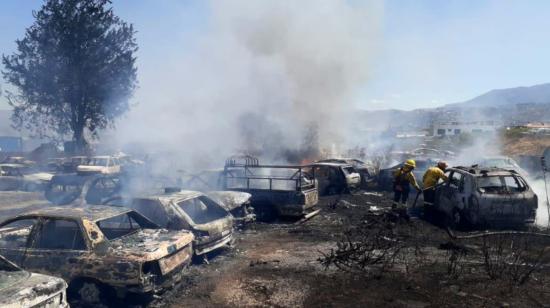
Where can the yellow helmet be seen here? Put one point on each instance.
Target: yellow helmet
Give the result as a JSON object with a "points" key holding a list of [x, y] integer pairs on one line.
{"points": [[410, 163]]}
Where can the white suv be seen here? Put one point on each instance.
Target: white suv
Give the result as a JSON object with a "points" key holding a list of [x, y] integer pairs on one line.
{"points": [[100, 164]]}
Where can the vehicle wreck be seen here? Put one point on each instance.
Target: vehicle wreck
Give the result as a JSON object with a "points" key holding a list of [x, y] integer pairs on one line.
{"points": [[20, 177], [475, 196], [336, 178], [211, 224], [19, 288], [100, 251], [277, 190], [237, 203]]}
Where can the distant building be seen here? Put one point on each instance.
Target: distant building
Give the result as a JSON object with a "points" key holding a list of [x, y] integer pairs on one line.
{"points": [[453, 128], [539, 125]]}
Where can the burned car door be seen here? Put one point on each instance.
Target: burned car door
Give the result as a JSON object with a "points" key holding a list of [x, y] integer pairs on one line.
{"points": [[323, 177], [15, 238], [514, 205], [463, 191], [55, 242], [448, 194]]}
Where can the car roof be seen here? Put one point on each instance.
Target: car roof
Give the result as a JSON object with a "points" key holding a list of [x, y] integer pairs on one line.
{"points": [[167, 197], [332, 164], [13, 165], [485, 171], [91, 212]]}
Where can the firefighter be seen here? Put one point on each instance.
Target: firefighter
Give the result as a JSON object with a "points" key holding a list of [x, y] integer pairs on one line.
{"points": [[430, 179], [403, 178]]}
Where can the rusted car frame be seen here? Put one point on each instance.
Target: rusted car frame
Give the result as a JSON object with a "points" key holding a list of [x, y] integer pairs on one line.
{"points": [[19, 288], [335, 178], [486, 196], [211, 224], [101, 251]]}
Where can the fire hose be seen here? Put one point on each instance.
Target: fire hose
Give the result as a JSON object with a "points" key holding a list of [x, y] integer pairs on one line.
{"points": [[483, 234]]}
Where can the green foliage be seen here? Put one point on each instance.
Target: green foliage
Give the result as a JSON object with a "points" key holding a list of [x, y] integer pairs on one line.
{"points": [[74, 69], [515, 132]]}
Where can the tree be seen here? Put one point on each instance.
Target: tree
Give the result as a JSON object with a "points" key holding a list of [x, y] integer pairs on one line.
{"points": [[73, 70]]}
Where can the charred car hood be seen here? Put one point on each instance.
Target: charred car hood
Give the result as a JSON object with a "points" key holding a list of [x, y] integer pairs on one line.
{"points": [[150, 244], [41, 176], [217, 226], [230, 200], [24, 289]]}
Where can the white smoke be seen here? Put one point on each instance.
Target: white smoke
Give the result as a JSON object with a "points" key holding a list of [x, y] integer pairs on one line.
{"points": [[542, 211], [260, 76]]}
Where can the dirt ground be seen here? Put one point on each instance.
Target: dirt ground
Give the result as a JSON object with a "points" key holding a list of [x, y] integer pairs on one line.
{"points": [[277, 265]]}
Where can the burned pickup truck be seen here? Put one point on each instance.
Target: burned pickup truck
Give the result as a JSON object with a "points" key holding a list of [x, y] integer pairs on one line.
{"points": [[100, 251], [277, 190], [481, 196]]}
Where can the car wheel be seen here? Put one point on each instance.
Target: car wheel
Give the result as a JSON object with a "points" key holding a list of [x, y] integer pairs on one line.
{"points": [[89, 293]]}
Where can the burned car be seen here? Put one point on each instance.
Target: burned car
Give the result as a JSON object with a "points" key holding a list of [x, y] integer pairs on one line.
{"points": [[211, 224], [100, 251], [18, 160], [335, 178], [20, 177], [19, 288], [366, 169], [237, 203], [486, 196]]}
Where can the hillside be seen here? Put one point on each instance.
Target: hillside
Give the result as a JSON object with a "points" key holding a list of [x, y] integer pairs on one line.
{"points": [[538, 94]]}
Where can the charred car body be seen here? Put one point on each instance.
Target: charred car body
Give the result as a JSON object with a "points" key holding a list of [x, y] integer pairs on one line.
{"points": [[19, 288], [335, 178], [211, 224], [365, 169], [237, 203], [277, 190], [101, 251], [20, 177], [18, 160], [476, 196]]}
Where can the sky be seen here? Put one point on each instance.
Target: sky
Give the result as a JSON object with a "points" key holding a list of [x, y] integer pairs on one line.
{"points": [[427, 52]]}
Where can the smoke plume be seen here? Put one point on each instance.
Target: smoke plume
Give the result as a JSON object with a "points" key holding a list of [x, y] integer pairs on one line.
{"points": [[259, 79]]}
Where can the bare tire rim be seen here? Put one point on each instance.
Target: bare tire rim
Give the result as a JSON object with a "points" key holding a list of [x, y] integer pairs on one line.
{"points": [[89, 292]]}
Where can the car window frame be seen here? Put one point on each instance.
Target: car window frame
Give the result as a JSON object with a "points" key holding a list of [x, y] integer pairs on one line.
{"points": [[32, 231], [450, 184], [41, 220]]}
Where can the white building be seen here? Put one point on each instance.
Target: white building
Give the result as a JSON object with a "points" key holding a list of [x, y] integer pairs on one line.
{"points": [[453, 128]]}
